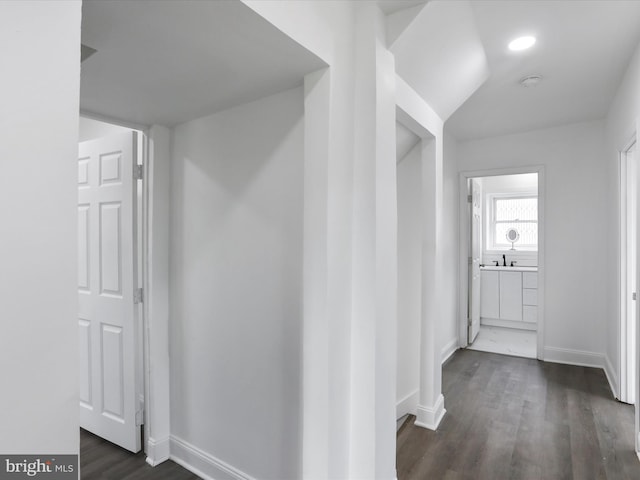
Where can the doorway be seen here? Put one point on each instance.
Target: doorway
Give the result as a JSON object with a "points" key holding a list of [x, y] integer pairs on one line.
{"points": [[628, 270], [501, 261]]}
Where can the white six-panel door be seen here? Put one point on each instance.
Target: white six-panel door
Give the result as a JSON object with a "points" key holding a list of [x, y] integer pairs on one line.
{"points": [[476, 257], [106, 273]]}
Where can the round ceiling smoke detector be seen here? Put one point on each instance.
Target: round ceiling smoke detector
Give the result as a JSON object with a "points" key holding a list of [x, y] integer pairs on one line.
{"points": [[531, 81]]}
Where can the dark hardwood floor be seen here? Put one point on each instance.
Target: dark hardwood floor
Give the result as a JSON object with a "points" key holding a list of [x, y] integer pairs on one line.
{"points": [[517, 418], [102, 460]]}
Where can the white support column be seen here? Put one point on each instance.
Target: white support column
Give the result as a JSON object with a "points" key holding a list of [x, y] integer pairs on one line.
{"points": [[315, 373], [373, 328], [431, 406]]}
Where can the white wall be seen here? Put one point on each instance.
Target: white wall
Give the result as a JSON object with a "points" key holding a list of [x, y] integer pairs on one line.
{"points": [[90, 129], [40, 51], [519, 183], [576, 242], [409, 281], [236, 271], [622, 120]]}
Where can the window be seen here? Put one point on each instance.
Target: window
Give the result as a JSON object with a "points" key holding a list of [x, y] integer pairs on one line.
{"points": [[510, 211]]}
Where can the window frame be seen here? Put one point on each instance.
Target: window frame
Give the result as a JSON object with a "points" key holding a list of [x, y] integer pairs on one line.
{"points": [[491, 221]]}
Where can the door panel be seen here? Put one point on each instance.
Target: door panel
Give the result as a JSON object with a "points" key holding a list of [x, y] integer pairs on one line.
{"points": [[107, 270], [476, 252]]}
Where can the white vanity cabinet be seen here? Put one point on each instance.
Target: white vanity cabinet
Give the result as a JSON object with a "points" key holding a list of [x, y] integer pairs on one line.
{"points": [[509, 297]]}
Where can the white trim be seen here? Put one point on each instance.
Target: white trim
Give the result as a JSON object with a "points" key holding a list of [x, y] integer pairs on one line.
{"points": [[430, 417], [158, 451], [202, 463], [156, 284], [516, 324], [579, 358], [610, 373], [623, 280], [449, 349], [408, 405]]}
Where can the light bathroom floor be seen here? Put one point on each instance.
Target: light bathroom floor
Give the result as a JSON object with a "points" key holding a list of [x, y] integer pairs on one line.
{"points": [[507, 341]]}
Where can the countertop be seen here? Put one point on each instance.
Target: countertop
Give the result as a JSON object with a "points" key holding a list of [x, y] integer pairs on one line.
{"points": [[507, 269]]}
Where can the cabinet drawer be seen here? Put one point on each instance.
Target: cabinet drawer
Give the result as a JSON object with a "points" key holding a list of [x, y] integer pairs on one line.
{"points": [[529, 279], [529, 314], [529, 296]]}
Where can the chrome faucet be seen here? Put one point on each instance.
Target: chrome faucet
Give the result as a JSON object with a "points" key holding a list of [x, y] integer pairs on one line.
{"points": [[504, 260]]}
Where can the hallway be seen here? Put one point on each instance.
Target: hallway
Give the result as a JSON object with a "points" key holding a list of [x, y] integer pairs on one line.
{"points": [[515, 418], [102, 460]]}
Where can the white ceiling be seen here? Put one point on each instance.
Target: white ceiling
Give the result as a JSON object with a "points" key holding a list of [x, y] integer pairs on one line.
{"points": [[582, 51], [392, 6], [168, 61], [439, 53], [165, 62]]}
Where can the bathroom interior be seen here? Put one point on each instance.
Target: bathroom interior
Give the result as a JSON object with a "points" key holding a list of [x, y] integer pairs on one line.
{"points": [[503, 247]]}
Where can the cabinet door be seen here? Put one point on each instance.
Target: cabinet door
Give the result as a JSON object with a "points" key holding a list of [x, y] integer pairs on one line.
{"points": [[511, 296], [489, 294], [529, 314]]}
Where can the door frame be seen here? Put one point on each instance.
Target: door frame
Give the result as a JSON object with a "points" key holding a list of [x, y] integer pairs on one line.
{"points": [[463, 236], [624, 395], [154, 235]]}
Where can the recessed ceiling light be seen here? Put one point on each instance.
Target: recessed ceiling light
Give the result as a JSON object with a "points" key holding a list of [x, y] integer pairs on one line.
{"points": [[522, 43], [531, 81]]}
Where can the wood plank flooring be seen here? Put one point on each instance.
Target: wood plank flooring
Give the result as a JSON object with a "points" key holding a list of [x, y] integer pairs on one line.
{"points": [[102, 460], [517, 418]]}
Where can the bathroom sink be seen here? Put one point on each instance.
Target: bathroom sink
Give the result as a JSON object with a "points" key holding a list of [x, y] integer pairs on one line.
{"points": [[516, 268]]}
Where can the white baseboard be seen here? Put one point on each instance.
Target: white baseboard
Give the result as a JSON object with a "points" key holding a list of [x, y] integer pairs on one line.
{"points": [[449, 349], [158, 451], [430, 417], [202, 463], [610, 372], [496, 322], [408, 405], [573, 357]]}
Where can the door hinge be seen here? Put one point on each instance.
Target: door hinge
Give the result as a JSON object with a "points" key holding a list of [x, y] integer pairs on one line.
{"points": [[139, 417], [469, 198], [138, 172], [634, 296], [138, 296]]}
